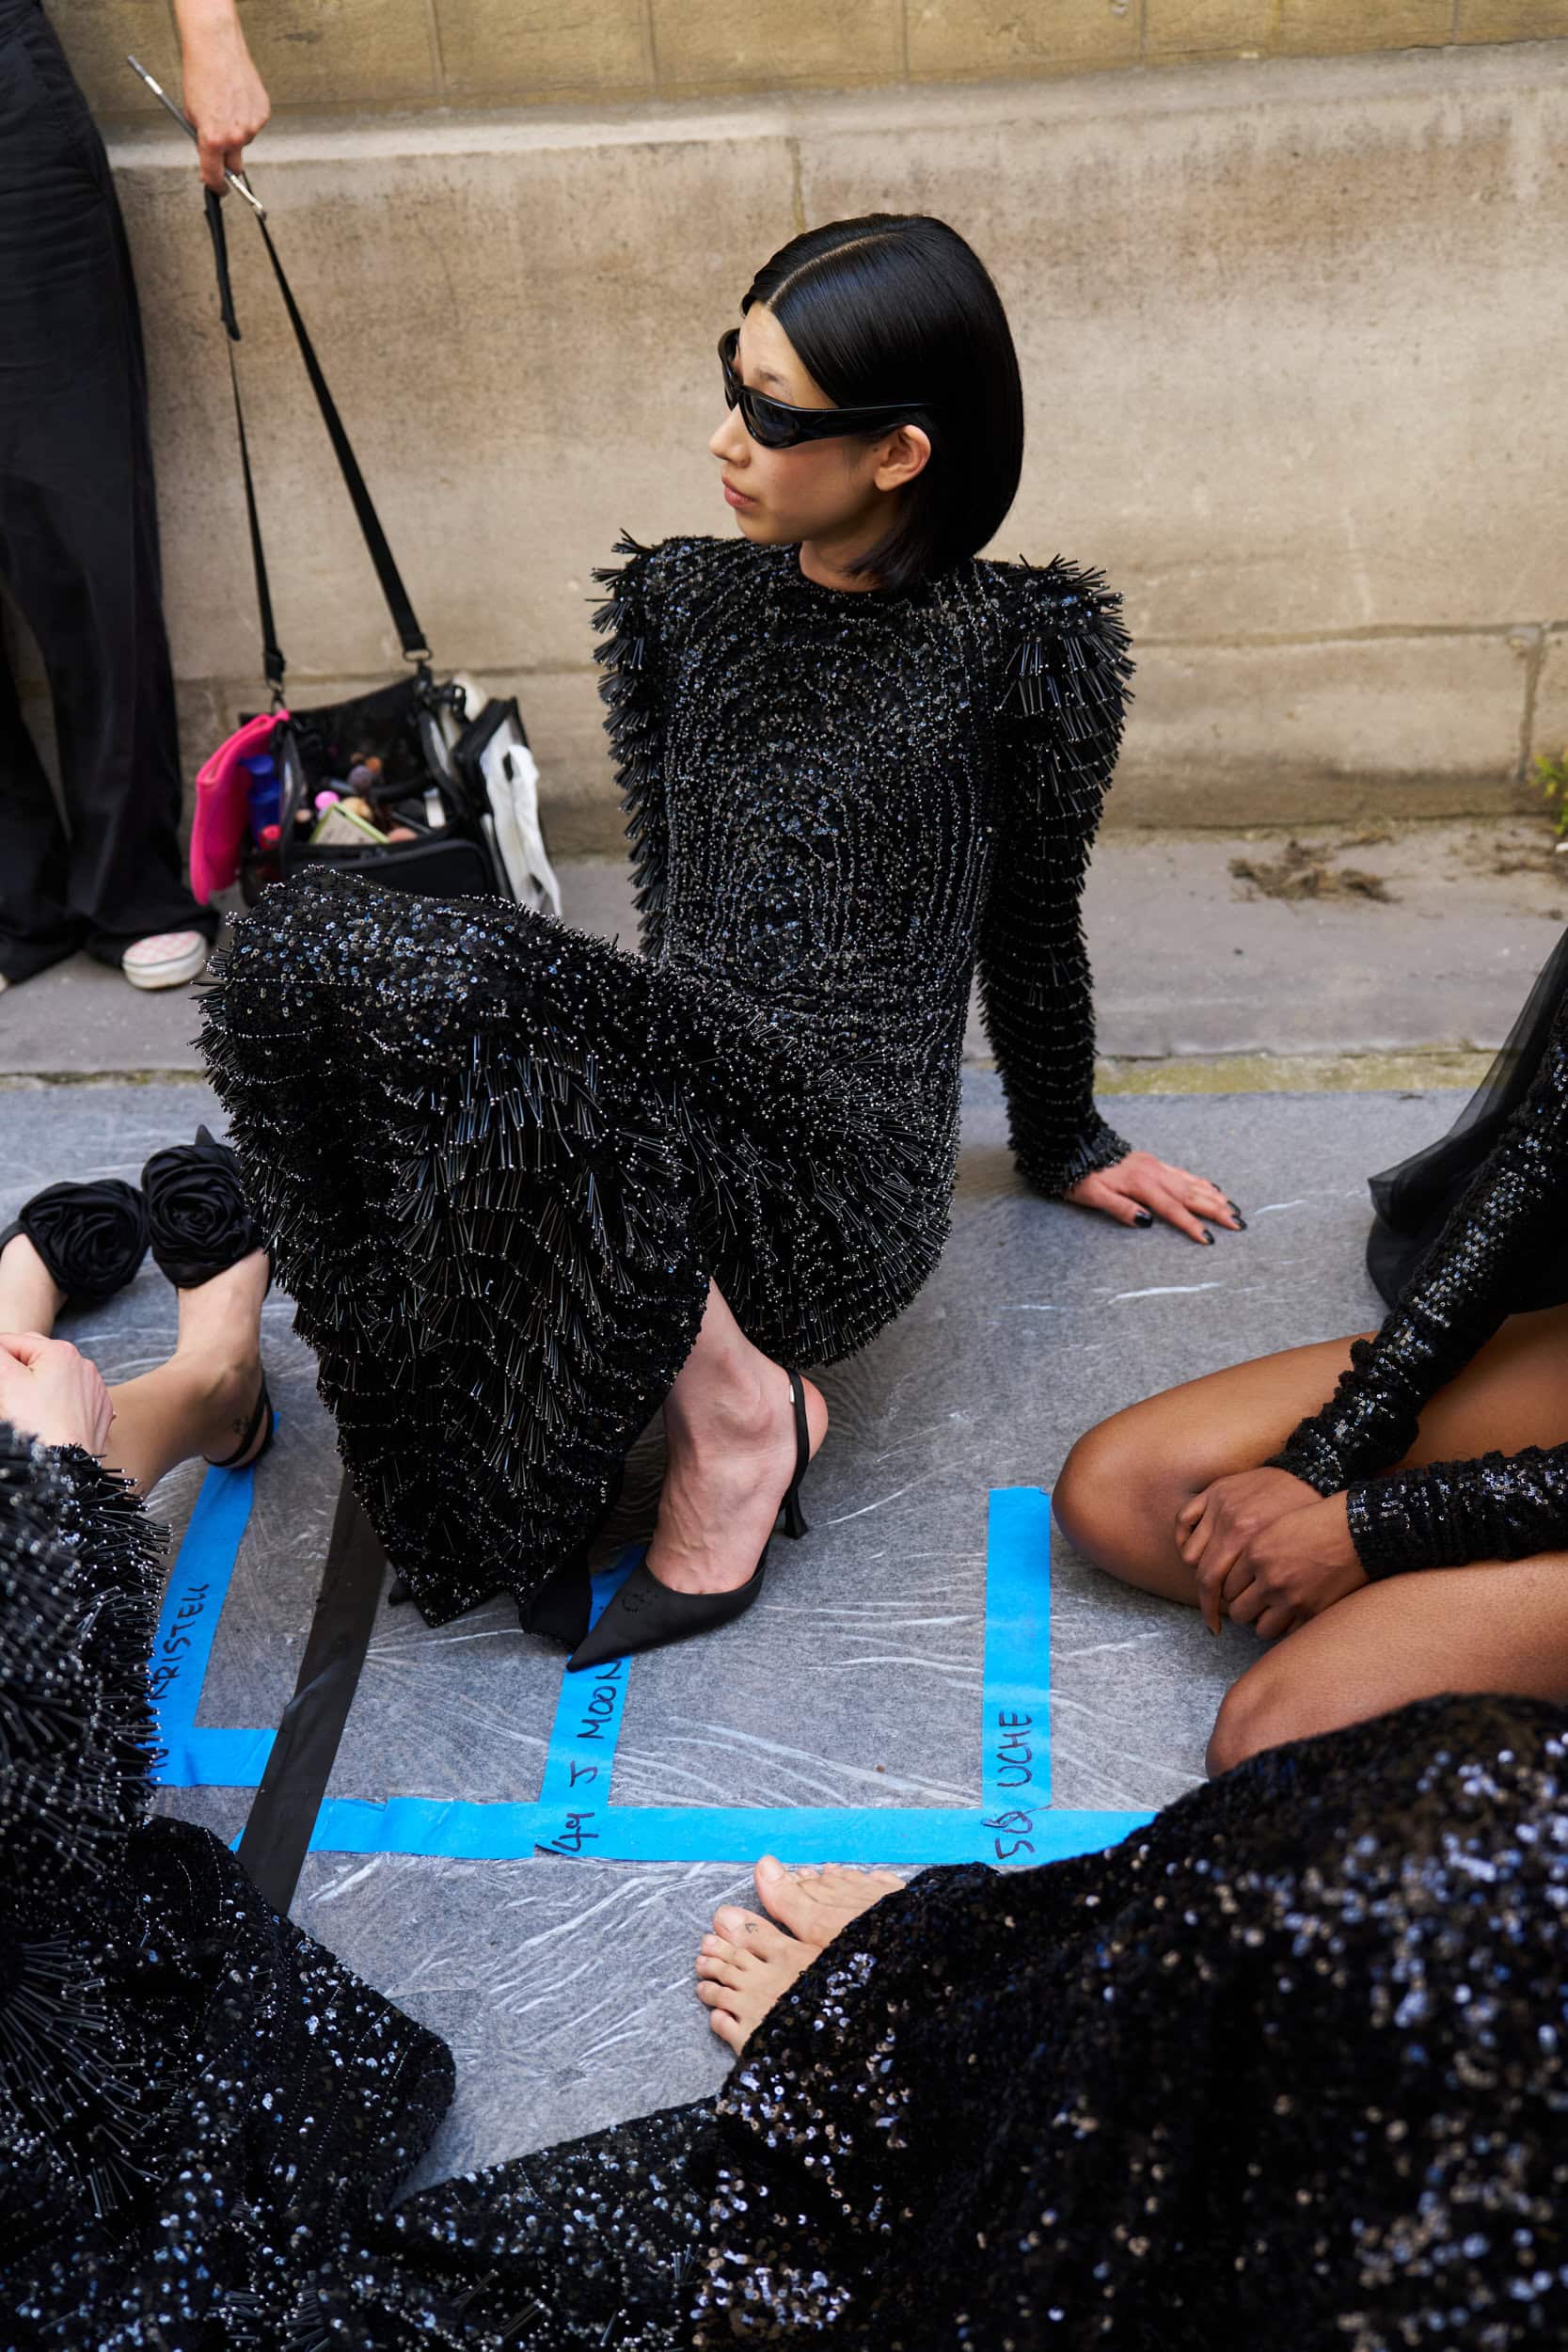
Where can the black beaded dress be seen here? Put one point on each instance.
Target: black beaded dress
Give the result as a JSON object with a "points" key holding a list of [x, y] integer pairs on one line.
{"points": [[1499, 1251], [1287, 2068], [500, 1162]]}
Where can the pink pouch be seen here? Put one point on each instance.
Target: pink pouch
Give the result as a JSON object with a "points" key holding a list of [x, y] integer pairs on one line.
{"points": [[222, 811]]}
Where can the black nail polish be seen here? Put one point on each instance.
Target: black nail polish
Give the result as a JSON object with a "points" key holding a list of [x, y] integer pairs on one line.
{"points": [[1145, 1217], [1209, 1237]]}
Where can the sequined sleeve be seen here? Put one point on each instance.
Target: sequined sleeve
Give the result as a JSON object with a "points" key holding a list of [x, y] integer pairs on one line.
{"points": [[1457, 1298], [1059, 728], [1504, 1506], [632, 691]]}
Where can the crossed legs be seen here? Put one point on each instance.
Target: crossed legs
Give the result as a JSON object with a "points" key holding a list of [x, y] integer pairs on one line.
{"points": [[1501, 1626], [200, 1400]]}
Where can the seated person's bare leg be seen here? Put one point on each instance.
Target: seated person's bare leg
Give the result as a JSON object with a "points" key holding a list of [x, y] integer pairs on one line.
{"points": [[1493, 1626], [202, 1398]]}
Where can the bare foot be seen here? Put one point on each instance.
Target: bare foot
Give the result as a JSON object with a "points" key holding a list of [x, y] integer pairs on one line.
{"points": [[746, 1963], [220, 1347], [740, 1976], [732, 1457], [815, 1904]]}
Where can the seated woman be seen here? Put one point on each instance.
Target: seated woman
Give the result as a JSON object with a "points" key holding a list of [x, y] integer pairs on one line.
{"points": [[1287, 2068], [1409, 1535], [528, 1190]]}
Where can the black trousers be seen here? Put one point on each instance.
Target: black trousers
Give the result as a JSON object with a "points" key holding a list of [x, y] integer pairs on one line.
{"points": [[78, 540]]}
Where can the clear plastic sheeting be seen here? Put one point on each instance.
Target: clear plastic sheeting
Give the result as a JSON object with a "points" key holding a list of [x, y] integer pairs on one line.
{"points": [[564, 1985]]}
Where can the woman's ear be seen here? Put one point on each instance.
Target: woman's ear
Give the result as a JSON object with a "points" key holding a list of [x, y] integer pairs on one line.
{"points": [[903, 454]]}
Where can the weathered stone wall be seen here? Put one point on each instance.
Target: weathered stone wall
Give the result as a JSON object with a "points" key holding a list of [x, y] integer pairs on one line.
{"points": [[1293, 331], [412, 52]]}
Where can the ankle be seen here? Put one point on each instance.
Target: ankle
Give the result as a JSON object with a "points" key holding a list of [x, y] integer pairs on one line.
{"points": [[30, 1298], [737, 1412]]}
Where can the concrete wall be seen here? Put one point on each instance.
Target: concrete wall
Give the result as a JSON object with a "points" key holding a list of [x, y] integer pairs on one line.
{"points": [[1294, 335]]}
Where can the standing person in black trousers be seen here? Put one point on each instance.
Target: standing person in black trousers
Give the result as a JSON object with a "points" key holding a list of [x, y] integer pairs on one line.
{"points": [[78, 519]]}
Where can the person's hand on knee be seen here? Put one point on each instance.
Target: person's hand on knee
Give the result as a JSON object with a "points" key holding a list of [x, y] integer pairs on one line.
{"points": [[1214, 1528], [1293, 1570], [49, 1391]]}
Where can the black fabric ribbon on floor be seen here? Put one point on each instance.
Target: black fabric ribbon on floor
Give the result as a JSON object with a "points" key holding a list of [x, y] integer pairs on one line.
{"points": [[277, 1835]]}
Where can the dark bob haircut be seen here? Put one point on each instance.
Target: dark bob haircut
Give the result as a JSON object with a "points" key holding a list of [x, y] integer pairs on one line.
{"points": [[897, 306]]}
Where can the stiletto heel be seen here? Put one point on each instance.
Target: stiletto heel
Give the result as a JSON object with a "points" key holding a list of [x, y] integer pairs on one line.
{"points": [[646, 1615]]}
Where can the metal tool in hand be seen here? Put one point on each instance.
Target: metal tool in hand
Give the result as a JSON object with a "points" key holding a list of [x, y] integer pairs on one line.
{"points": [[236, 180]]}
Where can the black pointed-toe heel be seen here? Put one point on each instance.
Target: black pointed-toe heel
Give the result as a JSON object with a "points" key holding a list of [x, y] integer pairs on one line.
{"points": [[91, 1237], [200, 1225], [560, 1608], [646, 1615]]}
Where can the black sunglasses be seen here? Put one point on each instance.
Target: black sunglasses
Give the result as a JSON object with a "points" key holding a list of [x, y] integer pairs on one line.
{"points": [[776, 424]]}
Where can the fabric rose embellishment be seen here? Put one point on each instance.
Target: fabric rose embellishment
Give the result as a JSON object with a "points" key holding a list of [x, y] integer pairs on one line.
{"points": [[201, 1221]]}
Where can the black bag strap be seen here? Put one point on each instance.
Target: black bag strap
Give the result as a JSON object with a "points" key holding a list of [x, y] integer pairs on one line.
{"points": [[410, 635], [272, 662]]}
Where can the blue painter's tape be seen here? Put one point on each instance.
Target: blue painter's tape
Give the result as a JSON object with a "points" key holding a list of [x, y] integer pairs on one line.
{"points": [[198, 1756], [1015, 1782], [1015, 1823], [895, 1836], [574, 1795], [574, 1816]]}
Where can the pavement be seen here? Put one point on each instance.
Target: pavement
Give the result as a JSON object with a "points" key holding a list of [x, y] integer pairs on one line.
{"points": [[1201, 977]]}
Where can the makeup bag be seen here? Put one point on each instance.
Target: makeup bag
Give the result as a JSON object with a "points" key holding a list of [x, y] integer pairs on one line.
{"points": [[419, 758]]}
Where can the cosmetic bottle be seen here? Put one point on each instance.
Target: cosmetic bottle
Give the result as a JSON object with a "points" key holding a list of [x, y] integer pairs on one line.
{"points": [[263, 793]]}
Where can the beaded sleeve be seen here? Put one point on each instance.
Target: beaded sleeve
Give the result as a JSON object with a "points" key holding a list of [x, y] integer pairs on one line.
{"points": [[632, 691], [1499, 1506], [1059, 727]]}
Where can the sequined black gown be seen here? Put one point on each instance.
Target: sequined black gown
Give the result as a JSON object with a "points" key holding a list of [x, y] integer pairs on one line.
{"points": [[500, 1162], [1288, 2068], [1500, 1252]]}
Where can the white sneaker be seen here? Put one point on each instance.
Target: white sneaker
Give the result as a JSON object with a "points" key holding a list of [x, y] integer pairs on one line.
{"points": [[165, 960]]}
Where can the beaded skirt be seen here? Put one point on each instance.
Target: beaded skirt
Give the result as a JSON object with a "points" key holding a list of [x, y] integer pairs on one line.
{"points": [[498, 1164]]}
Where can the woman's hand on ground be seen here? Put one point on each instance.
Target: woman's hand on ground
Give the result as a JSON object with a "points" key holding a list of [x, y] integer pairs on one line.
{"points": [[1140, 1188], [50, 1391], [1214, 1529], [1295, 1569]]}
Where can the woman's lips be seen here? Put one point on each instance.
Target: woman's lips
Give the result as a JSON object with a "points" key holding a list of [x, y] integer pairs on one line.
{"points": [[736, 498]]}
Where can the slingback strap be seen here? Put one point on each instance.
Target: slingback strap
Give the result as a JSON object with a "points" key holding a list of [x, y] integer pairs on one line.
{"points": [[794, 1517], [253, 1430]]}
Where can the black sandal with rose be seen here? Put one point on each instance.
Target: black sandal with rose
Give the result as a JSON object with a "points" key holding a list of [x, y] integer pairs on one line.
{"points": [[200, 1225], [91, 1237]]}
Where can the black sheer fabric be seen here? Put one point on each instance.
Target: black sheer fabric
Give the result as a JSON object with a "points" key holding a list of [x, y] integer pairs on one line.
{"points": [[1289, 2067], [1412, 1200], [1495, 1254]]}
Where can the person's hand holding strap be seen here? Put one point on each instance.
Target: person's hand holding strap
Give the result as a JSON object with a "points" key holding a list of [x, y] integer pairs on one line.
{"points": [[49, 1391], [1140, 1188], [223, 92]]}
